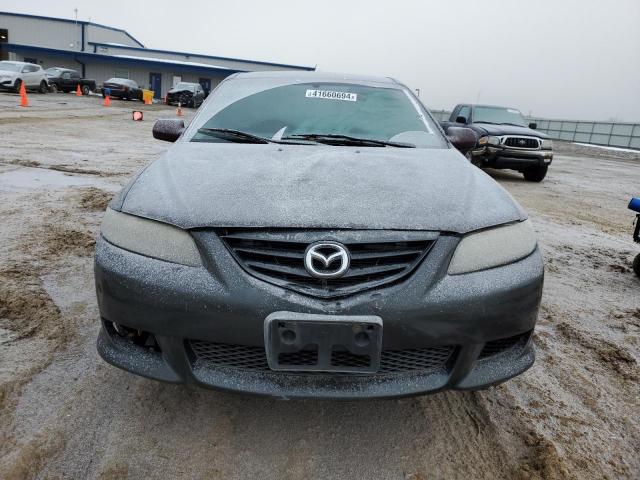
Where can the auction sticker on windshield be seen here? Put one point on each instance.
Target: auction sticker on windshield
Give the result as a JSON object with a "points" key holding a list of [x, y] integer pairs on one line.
{"points": [[328, 94]]}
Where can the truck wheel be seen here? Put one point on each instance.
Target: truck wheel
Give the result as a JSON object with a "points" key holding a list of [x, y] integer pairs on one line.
{"points": [[44, 88], [53, 88], [535, 174], [636, 265], [86, 90], [16, 85], [473, 160]]}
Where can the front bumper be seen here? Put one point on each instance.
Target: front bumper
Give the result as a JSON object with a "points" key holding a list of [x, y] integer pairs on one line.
{"points": [[221, 303], [512, 158]]}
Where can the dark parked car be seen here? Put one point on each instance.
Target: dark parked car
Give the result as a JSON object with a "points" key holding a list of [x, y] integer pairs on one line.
{"points": [[186, 94], [122, 88], [67, 80], [504, 139], [316, 235]]}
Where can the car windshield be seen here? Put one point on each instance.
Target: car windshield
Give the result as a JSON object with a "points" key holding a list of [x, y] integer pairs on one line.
{"points": [[498, 115], [10, 67], [335, 113], [53, 72], [184, 86]]}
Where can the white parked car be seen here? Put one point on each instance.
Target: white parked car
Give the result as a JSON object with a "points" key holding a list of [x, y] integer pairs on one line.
{"points": [[13, 74]]}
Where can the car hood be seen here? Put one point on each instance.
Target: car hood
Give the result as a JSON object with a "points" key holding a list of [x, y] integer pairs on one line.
{"points": [[291, 186], [490, 129], [180, 90], [8, 73]]}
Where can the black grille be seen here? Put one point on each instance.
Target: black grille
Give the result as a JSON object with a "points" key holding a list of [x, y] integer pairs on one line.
{"points": [[377, 258], [301, 358], [522, 142], [495, 347], [254, 358]]}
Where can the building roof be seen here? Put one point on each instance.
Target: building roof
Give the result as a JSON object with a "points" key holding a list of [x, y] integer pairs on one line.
{"points": [[97, 57], [79, 22], [142, 48], [189, 54]]}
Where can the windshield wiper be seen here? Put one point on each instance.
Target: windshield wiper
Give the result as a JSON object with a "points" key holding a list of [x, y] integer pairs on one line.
{"points": [[334, 139], [239, 136], [233, 135]]}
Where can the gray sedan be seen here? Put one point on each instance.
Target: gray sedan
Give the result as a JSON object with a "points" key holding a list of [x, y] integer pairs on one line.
{"points": [[317, 235]]}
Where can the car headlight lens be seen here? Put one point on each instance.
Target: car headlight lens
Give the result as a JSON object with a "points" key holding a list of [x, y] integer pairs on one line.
{"points": [[493, 247], [546, 144], [150, 238], [489, 140]]}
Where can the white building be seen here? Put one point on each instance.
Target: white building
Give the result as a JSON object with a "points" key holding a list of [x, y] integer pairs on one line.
{"points": [[101, 52]]}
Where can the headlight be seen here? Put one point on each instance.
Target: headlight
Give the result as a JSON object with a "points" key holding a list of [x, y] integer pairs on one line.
{"points": [[150, 238], [546, 145], [489, 140], [492, 248]]}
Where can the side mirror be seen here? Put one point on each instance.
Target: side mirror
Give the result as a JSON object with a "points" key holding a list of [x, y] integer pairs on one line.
{"points": [[464, 139], [168, 129], [533, 125], [461, 119]]}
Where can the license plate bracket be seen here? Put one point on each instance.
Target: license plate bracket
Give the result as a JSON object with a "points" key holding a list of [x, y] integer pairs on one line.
{"points": [[323, 343]]}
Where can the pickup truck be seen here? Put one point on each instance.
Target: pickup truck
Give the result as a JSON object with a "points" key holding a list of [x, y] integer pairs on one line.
{"points": [[504, 140], [67, 80]]}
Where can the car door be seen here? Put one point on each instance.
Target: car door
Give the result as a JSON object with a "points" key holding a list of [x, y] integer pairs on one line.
{"points": [[65, 80], [27, 75]]}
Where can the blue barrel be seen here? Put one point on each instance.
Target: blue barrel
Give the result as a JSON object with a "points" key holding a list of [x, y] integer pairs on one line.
{"points": [[634, 205]]}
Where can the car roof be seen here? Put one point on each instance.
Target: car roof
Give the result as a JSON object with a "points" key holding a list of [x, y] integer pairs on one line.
{"points": [[491, 106], [17, 63], [316, 76]]}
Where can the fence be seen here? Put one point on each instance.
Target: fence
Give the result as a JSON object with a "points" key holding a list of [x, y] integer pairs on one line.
{"points": [[611, 134]]}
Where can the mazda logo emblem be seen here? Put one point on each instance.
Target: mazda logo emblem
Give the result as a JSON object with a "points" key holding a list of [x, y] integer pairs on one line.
{"points": [[326, 260], [522, 142]]}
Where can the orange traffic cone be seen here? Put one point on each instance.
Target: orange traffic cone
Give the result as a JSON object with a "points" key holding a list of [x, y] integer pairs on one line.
{"points": [[23, 91], [179, 111], [78, 91], [24, 102], [107, 101]]}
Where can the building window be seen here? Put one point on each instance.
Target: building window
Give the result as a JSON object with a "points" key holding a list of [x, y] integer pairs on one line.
{"points": [[176, 80], [122, 73], [4, 35]]}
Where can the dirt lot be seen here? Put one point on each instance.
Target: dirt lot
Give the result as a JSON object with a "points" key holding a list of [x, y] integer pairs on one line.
{"points": [[64, 413]]}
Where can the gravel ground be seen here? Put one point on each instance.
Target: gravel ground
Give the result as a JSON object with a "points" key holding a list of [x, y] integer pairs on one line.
{"points": [[64, 413]]}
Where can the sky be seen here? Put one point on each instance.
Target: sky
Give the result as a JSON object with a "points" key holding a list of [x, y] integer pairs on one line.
{"points": [[568, 59]]}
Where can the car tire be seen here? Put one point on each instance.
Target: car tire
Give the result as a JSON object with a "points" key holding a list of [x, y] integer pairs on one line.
{"points": [[53, 88], [44, 88], [636, 265], [184, 100], [535, 174], [16, 85], [85, 90]]}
